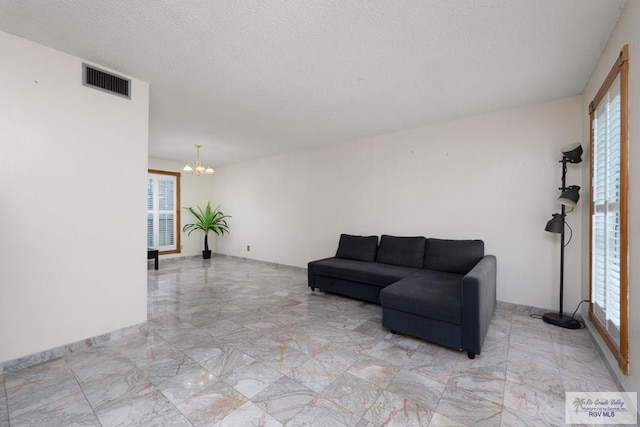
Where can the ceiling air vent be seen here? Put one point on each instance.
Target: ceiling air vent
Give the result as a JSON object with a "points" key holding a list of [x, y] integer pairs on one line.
{"points": [[104, 81]]}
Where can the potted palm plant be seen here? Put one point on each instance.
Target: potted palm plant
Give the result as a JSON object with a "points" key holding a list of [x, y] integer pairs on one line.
{"points": [[207, 220]]}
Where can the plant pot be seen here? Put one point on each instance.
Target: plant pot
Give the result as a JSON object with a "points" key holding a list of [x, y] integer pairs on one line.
{"points": [[206, 254]]}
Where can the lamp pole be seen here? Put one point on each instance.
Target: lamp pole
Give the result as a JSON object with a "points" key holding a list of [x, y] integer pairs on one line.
{"points": [[563, 214]]}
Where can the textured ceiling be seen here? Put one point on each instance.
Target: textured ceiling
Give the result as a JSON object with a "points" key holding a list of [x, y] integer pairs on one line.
{"points": [[252, 78]]}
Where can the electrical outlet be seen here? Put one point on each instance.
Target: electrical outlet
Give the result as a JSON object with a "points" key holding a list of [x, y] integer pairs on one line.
{"points": [[248, 248]]}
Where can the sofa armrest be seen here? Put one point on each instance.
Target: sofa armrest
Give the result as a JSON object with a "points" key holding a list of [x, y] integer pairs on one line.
{"points": [[478, 303], [311, 275]]}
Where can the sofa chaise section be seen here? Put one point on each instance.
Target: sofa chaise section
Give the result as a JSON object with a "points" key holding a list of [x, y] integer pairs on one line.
{"points": [[451, 301]]}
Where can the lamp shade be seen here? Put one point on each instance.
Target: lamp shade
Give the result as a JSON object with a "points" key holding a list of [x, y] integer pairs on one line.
{"points": [[570, 196], [573, 152], [555, 224]]}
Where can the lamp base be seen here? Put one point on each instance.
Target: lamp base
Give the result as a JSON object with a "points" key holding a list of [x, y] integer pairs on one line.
{"points": [[562, 320]]}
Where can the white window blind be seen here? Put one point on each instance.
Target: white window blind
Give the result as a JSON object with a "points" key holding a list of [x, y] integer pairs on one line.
{"points": [[606, 227], [161, 212]]}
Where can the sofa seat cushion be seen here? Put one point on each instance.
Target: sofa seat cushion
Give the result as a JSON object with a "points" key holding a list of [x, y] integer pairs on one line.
{"points": [[370, 273], [427, 293]]}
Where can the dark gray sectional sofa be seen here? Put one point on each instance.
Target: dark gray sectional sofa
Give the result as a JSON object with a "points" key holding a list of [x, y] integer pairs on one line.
{"points": [[442, 291]]}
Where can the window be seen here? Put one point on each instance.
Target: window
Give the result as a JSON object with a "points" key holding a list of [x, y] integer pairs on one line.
{"points": [[609, 211], [163, 213]]}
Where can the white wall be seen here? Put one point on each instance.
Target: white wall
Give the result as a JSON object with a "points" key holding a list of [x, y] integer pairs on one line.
{"points": [[494, 177], [625, 32], [194, 190], [73, 165]]}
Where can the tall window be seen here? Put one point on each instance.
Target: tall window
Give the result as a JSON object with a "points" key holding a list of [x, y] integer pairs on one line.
{"points": [[163, 213], [609, 211]]}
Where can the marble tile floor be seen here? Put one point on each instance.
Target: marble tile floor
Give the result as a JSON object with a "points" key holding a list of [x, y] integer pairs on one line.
{"points": [[231, 342]]}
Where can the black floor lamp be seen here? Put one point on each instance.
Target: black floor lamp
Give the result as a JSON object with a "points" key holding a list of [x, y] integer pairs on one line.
{"points": [[569, 196]]}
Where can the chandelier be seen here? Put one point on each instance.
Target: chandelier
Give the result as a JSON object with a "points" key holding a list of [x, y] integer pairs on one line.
{"points": [[197, 167]]}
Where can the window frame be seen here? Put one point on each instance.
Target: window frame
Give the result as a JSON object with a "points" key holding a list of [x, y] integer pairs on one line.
{"points": [[621, 69], [178, 233]]}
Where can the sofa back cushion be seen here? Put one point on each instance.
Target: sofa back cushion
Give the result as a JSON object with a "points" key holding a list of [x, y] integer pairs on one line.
{"points": [[359, 248], [453, 256], [403, 251]]}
